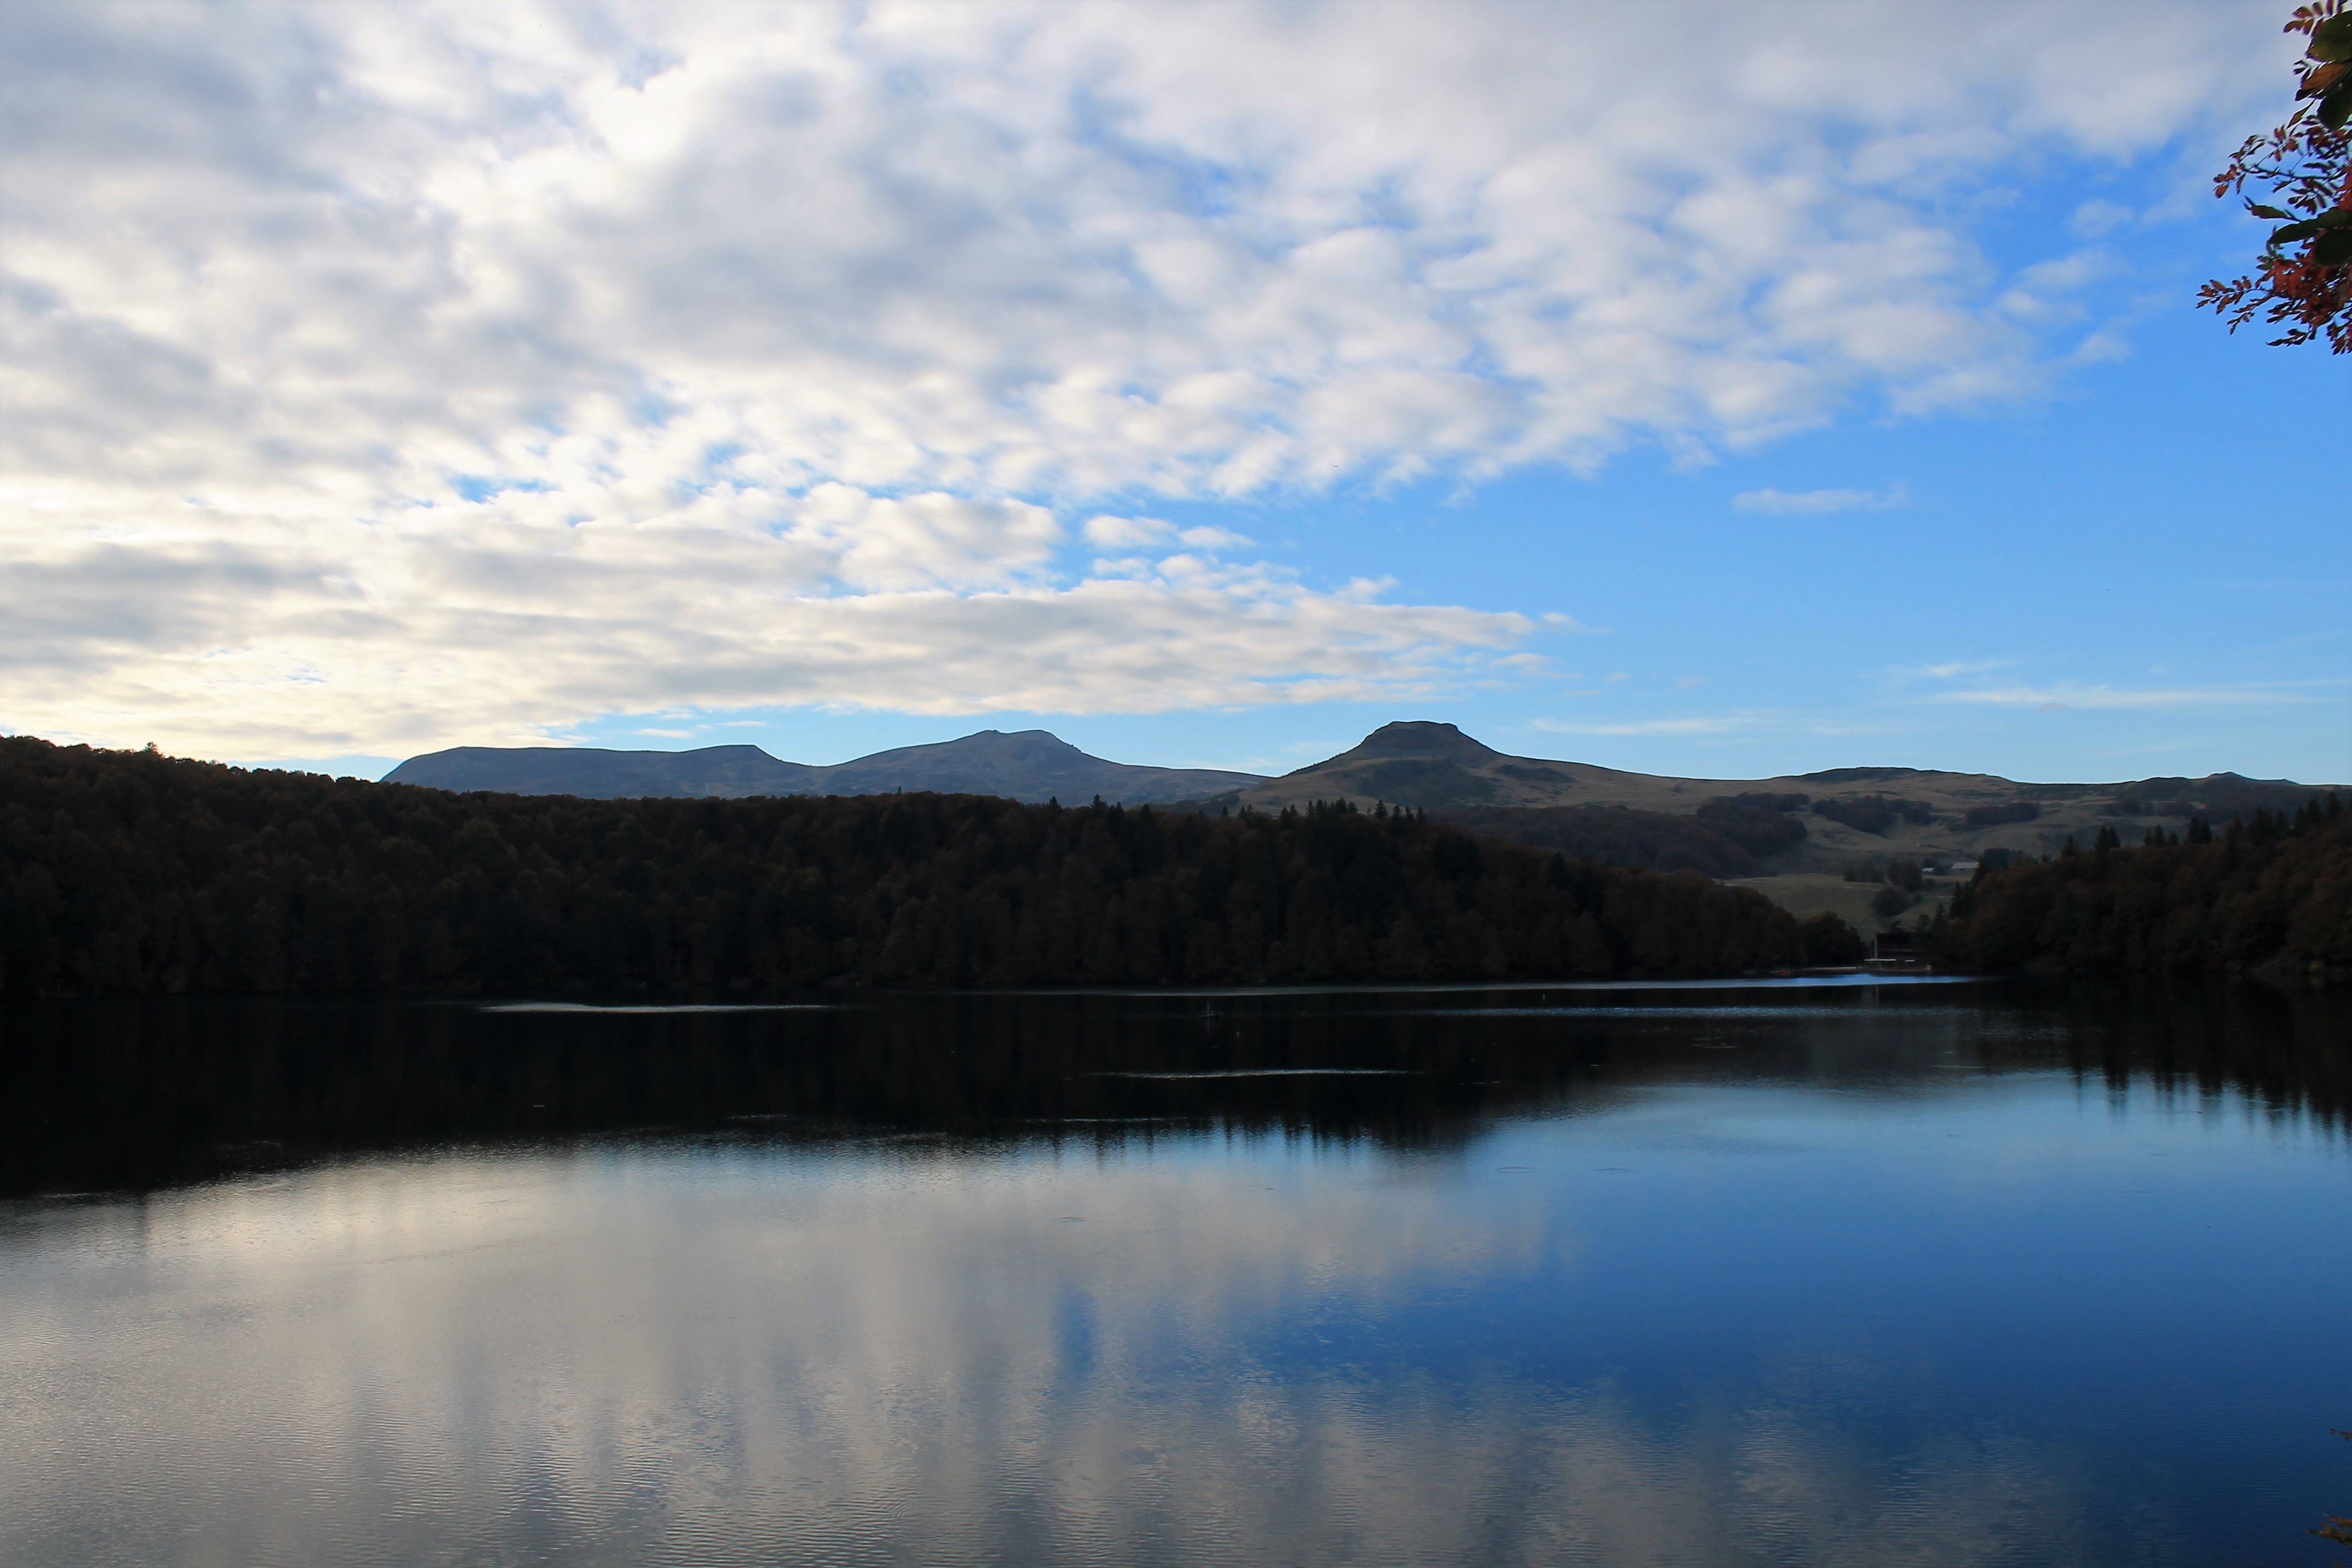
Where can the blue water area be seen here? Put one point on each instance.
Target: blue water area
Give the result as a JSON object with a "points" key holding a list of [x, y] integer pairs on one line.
{"points": [[1871, 1274]]}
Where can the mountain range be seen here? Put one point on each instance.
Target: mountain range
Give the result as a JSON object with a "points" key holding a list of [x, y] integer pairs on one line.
{"points": [[1811, 823], [1831, 818], [1029, 764]]}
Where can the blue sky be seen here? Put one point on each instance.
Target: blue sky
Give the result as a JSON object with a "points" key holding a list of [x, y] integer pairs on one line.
{"points": [[1206, 385], [2132, 565]]}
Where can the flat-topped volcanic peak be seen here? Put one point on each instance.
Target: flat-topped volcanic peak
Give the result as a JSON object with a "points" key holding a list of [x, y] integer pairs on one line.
{"points": [[1836, 817], [1435, 766], [1814, 822], [1421, 739]]}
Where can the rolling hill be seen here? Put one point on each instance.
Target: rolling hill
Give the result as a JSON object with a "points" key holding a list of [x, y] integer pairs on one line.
{"points": [[1848, 815], [1792, 836]]}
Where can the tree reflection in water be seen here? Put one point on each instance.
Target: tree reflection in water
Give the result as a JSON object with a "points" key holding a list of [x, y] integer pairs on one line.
{"points": [[1857, 1275], [136, 1094]]}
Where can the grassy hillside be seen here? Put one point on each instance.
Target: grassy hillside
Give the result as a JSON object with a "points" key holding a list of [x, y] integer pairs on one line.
{"points": [[1835, 818]]}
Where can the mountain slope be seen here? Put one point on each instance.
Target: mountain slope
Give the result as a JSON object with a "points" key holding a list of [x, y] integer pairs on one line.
{"points": [[1847, 815], [1030, 765], [600, 774], [128, 873], [1816, 823]]}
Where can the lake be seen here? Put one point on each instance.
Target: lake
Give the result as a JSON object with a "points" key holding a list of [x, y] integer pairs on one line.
{"points": [[1846, 1273]]}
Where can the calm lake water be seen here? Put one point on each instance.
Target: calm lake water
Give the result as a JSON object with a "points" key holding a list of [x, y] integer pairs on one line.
{"points": [[1858, 1274]]}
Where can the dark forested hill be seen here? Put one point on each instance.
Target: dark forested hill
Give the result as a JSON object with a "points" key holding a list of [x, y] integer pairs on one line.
{"points": [[1029, 764], [1615, 836], [1829, 818], [2276, 890], [1811, 823], [128, 872]]}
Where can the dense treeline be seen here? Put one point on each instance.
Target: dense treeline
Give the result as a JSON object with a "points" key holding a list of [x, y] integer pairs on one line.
{"points": [[1758, 824], [2273, 890], [142, 1092], [129, 873], [1765, 801], [2217, 797], [1618, 836], [1873, 813]]}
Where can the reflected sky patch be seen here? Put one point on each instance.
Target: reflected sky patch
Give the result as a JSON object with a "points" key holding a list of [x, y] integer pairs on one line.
{"points": [[1822, 1300]]}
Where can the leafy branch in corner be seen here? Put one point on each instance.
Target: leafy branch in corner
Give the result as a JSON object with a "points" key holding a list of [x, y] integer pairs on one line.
{"points": [[2306, 269], [2338, 1531]]}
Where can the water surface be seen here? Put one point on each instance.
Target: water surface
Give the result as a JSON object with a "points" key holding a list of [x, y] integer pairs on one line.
{"points": [[1885, 1274]]}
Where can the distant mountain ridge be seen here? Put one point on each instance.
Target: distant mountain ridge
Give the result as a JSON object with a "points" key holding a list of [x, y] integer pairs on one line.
{"points": [[598, 775], [1029, 764], [1837, 815], [1816, 822]]}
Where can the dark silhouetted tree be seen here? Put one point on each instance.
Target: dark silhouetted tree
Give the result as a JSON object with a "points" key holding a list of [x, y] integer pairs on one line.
{"points": [[124, 872]]}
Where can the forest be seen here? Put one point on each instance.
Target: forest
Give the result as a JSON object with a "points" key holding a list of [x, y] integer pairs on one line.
{"points": [[1721, 839], [1873, 813], [2274, 889], [132, 873]]}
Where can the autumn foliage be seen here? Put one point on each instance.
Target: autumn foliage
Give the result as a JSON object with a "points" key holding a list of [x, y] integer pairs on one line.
{"points": [[2304, 280]]}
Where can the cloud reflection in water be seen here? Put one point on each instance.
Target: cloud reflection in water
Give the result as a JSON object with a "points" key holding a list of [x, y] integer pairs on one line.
{"points": [[733, 1350]]}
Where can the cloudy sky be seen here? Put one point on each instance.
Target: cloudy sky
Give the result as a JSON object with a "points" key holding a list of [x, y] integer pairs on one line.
{"points": [[1720, 390]]}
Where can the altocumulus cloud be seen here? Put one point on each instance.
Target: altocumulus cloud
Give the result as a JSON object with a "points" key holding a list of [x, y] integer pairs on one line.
{"points": [[380, 375], [1799, 503]]}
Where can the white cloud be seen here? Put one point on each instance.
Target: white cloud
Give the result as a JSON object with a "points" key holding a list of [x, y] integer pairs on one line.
{"points": [[455, 634], [1797, 503], [1214, 538], [2095, 219], [923, 541], [1131, 532], [2057, 698], [1710, 725], [1126, 532], [1748, 722], [446, 369]]}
